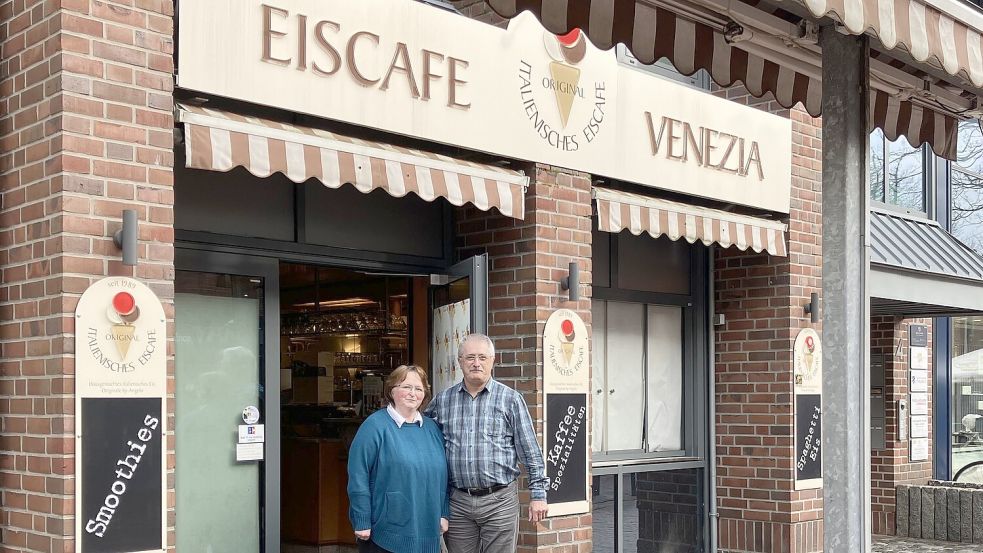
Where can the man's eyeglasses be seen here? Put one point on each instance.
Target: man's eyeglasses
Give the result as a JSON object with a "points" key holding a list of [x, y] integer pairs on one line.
{"points": [[407, 388], [472, 358]]}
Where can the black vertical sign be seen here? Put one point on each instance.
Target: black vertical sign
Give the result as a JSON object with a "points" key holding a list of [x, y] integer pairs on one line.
{"points": [[808, 436], [566, 447], [121, 475]]}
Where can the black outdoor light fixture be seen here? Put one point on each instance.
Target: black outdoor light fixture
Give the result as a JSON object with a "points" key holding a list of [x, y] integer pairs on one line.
{"points": [[571, 282], [812, 308], [126, 237]]}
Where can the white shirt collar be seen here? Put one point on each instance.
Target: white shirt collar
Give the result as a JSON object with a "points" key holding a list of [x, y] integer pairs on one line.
{"points": [[416, 418]]}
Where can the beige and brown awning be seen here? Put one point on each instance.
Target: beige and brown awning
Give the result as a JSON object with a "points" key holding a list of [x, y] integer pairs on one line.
{"points": [[921, 30], [221, 141], [652, 32], [618, 210]]}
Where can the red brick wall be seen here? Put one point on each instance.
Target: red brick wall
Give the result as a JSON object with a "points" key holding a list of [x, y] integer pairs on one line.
{"points": [[890, 467], [526, 261], [85, 131], [762, 299]]}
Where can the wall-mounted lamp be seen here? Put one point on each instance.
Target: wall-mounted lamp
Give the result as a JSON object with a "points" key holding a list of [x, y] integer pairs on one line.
{"points": [[571, 282], [812, 308], [126, 237]]}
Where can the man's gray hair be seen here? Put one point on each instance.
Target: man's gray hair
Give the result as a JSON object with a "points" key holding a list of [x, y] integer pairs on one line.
{"points": [[479, 337]]}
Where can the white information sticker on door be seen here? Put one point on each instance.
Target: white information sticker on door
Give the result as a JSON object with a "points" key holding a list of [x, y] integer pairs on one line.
{"points": [[249, 452], [252, 433]]}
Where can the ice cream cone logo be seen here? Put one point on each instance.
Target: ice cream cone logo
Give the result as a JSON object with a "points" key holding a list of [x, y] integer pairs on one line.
{"points": [[566, 50], [567, 335], [122, 313]]}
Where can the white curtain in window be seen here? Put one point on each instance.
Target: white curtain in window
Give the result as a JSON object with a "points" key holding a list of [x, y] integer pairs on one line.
{"points": [[664, 375], [625, 368], [598, 390]]}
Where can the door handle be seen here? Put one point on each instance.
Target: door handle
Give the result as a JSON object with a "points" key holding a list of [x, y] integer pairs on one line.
{"points": [[611, 391]]}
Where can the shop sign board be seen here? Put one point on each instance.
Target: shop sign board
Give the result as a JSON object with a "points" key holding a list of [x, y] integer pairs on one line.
{"points": [[919, 403], [919, 380], [919, 357], [919, 449], [807, 367], [919, 426], [521, 93], [566, 384], [918, 335], [121, 386]]}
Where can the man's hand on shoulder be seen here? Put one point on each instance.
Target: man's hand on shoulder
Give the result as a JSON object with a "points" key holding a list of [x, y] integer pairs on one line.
{"points": [[537, 510]]}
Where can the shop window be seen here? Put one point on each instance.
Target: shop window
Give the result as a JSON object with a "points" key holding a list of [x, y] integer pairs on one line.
{"points": [[641, 263], [898, 173], [967, 187], [967, 391], [664, 68], [649, 512], [637, 343]]}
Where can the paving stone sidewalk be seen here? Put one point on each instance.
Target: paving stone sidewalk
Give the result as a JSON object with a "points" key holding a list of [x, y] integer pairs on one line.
{"points": [[886, 544]]}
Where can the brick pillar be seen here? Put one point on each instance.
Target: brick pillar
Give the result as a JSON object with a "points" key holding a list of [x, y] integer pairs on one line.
{"points": [[85, 131], [526, 261], [891, 467], [762, 299]]}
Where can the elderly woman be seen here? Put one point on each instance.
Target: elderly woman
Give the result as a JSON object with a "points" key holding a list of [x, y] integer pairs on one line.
{"points": [[397, 473]]}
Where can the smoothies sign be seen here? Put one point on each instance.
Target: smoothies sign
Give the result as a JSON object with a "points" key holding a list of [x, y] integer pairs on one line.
{"points": [[121, 385], [407, 68], [566, 372]]}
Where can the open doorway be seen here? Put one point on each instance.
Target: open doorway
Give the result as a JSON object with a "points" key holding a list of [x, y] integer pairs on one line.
{"points": [[341, 333]]}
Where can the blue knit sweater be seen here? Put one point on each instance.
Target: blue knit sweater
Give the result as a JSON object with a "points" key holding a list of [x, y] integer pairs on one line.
{"points": [[397, 483]]}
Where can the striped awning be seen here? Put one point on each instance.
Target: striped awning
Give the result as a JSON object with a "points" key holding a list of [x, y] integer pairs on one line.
{"points": [[618, 210], [218, 140], [652, 32], [923, 31]]}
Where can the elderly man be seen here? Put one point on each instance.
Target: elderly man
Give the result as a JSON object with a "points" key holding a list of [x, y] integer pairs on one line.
{"points": [[487, 431]]}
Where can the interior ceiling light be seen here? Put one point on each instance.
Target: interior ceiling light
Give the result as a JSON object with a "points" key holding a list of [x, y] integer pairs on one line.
{"points": [[349, 302]]}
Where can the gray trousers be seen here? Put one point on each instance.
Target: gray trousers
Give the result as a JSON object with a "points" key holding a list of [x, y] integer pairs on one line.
{"points": [[486, 524]]}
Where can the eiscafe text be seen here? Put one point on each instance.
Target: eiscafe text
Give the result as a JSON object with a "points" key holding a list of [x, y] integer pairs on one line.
{"points": [[680, 141], [324, 48]]}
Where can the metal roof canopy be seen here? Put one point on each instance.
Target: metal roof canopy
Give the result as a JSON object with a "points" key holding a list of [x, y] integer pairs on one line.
{"points": [[917, 269]]}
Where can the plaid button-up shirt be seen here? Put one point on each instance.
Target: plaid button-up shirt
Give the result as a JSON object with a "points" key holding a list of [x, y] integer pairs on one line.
{"points": [[487, 436]]}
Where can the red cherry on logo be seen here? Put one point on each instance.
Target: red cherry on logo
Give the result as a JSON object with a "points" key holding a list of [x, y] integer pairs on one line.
{"points": [[566, 327], [569, 38], [123, 303]]}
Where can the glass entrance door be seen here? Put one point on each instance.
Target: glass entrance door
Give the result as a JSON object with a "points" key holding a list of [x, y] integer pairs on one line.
{"points": [[458, 307], [223, 484]]}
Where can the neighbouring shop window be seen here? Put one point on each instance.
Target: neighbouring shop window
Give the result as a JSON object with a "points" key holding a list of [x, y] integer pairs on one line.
{"points": [[658, 511], [967, 391], [897, 173], [665, 69], [638, 377], [967, 187]]}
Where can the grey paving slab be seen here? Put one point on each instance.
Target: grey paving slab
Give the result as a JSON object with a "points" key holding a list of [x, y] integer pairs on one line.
{"points": [[928, 513], [915, 512], [953, 514], [901, 510], [966, 516], [941, 515]]}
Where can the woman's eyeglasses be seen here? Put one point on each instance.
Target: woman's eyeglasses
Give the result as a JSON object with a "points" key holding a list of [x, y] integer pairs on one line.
{"points": [[407, 388]]}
